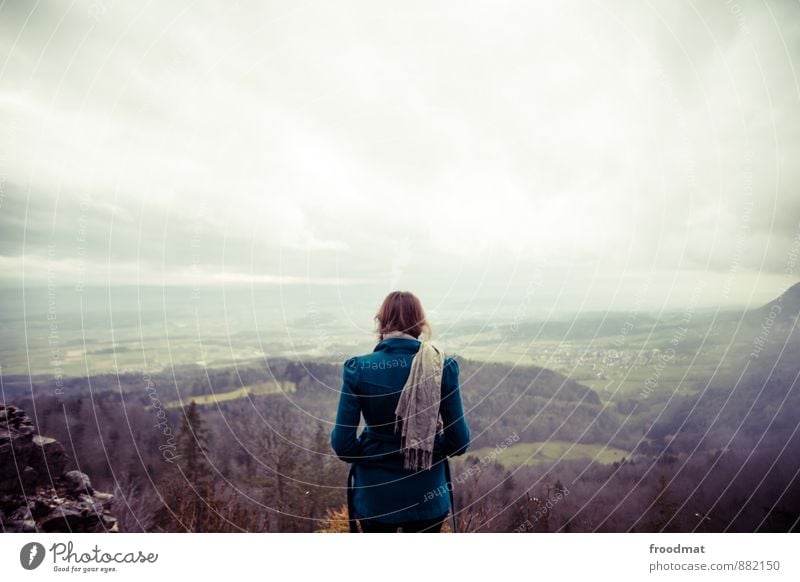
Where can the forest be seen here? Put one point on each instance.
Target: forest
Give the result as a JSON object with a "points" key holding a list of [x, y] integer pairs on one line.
{"points": [[189, 449]]}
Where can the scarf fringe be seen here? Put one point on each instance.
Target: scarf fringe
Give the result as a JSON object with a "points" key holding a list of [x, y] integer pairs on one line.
{"points": [[415, 458]]}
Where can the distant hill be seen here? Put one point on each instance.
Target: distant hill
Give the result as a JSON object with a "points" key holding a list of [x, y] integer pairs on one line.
{"points": [[783, 309], [754, 406]]}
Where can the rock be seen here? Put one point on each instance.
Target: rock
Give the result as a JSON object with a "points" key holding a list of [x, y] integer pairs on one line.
{"points": [[35, 493], [39, 508], [49, 457], [79, 518], [29, 478], [16, 447], [61, 520], [21, 514], [27, 526], [76, 483], [16, 420]]}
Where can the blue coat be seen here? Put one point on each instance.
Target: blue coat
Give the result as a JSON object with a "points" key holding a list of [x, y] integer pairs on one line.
{"points": [[371, 386]]}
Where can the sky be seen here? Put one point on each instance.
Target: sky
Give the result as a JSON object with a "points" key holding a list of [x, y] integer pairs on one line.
{"points": [[567, 156]]}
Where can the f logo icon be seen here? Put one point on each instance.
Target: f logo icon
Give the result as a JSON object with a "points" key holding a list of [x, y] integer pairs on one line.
{"points": [[31, 555]]}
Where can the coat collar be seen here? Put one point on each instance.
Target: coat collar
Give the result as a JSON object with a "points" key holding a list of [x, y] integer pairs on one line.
{"points": [[398, 344], [399, 334]]}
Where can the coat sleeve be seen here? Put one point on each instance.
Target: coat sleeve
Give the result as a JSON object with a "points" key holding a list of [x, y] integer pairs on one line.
{"points": [[456, 431], [343, 437]]}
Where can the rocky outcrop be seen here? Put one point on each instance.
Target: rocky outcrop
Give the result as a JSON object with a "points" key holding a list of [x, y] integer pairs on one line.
{"points": [[36, 495]]}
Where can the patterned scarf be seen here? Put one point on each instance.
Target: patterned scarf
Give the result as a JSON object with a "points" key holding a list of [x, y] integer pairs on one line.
{"points": [[418, 409]]}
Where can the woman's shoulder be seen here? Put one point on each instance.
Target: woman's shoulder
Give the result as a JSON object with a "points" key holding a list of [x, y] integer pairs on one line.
{"points": [[451, 365], [357, 361]]}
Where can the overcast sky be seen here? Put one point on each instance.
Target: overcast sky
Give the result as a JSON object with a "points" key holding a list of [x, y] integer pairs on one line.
{"points": [[590, 150]]}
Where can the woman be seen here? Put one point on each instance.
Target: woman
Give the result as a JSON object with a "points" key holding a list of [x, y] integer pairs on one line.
{"points": [[408, 393]]}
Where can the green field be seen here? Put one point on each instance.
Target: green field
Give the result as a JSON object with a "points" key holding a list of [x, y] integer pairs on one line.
{"points": [[549, 452], [254, 390]]}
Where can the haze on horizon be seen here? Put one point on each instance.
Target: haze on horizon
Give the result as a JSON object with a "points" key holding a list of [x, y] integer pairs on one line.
{"points": [[593, 156]]}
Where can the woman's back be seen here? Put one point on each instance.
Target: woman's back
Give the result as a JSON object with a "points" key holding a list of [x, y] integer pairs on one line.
{"points": [[383, 489]]}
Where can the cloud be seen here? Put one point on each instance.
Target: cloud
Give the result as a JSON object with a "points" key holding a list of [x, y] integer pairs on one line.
{"points": [[78, 273], [311, 141]]}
